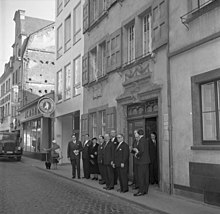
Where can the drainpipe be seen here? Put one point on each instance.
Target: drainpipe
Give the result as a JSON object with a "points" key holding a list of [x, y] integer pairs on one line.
{"points": [[169, 107]]}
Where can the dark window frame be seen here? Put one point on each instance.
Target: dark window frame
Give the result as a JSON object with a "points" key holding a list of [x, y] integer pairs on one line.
{"points": [[196, 82]]}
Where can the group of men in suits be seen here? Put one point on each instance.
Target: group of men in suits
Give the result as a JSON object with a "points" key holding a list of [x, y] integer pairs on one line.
{"points": [[113, 160]]}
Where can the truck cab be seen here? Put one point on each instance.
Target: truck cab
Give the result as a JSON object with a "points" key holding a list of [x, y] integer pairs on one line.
{"points": [[10, 146]]}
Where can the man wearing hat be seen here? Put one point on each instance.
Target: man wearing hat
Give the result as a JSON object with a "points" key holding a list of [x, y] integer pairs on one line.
{"points": [[73, 153]]}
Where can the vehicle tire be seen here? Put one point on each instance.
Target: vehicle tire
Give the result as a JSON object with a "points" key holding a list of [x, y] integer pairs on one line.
{"points": [[18, 158]]}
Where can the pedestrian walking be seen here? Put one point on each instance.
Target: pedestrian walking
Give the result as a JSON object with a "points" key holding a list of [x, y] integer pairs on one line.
{"points": [[93, 154], [115, 142], [73, 153], [153, 158], [109, 150], [121, 159], [85, 157], [101, 159], [143, 160]]}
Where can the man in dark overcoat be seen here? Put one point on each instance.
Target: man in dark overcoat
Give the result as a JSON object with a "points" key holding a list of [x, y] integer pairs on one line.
{"points": [[115, 142], [109, 151], [143, 160], [85, 156], [73, 153], [121, 158]]}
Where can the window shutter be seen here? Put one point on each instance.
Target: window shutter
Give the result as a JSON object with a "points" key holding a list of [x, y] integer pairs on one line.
{"points": [[85, 15], [101, 7], [113, 49], [159, 23], [110, 119], [85, 69], [108, 55], [84, 125], [116, 52], [91, 9]]}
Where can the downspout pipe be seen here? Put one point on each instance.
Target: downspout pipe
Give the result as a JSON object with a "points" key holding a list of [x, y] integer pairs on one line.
{"points": [[169, 101]]}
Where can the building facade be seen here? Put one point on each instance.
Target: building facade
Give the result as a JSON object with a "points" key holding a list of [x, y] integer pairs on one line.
{"points": [[194, 54], [125, 73], [6, 100], [69, 52]]}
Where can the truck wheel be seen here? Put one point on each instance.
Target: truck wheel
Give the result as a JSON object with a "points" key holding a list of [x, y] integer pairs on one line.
{"points": [[18, 158]]}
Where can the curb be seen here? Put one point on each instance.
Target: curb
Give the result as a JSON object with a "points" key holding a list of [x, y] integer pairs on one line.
{"points": [[97, 189]]}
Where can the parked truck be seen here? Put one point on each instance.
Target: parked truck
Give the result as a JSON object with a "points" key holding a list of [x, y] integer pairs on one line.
{"points": [[10, 146]]}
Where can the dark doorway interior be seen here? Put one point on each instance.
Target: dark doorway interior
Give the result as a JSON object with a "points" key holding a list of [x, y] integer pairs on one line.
{"points": [[151, 127]]}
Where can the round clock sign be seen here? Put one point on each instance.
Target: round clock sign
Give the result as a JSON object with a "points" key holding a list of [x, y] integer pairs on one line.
{"points": [[46, 105]]}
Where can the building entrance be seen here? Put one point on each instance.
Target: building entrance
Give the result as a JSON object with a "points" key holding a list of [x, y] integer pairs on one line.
{"points": [[145, 116]]}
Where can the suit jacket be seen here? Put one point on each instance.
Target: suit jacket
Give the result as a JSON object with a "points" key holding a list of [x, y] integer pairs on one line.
{"points": [[74, 146], [109, 151], [115, 141], [143, 156], [85, 150], [101, 153], [121, 155], [153, 151]]}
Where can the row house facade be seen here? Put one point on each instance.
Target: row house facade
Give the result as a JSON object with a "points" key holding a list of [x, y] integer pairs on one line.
{"points": [[6, 98], [124, 73], [69, 52], [194, 52]]}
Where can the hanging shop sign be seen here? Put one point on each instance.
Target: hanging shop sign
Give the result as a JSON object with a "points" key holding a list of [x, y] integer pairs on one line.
{"points": [[46, 106]]}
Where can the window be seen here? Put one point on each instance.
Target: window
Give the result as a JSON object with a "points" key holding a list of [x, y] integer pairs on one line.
{"points": [[102, 59], [77, 75], [93, 10], [67, 35], [196, 4], [131, 44], [59, 6], [59, 41], [67, 88], [77, 23], [103, 121], [102, 6], [210, 95], [146, 27], [206, 108], [93, 66], [59, 85], [93, 124], [13, 78]]}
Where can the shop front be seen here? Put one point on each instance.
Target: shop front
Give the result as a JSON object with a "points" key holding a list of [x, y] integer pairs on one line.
{"points": [[37, 131]]}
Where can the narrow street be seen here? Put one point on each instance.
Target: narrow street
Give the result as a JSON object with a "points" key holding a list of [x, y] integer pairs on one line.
{"points": [[27, 190]]}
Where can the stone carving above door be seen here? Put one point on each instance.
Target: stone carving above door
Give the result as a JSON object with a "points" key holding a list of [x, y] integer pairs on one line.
{"points": [[138, 70]]}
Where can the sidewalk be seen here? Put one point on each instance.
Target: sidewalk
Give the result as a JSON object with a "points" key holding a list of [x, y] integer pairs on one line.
{"points": [[155, 200]]}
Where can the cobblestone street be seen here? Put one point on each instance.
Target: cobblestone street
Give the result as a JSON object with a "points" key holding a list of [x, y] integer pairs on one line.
{"points": [[26, 189]]}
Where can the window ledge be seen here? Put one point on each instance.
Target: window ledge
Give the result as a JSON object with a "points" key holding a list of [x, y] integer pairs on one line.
{"points": [[205, 147], [96, 21], [194, 14]]}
